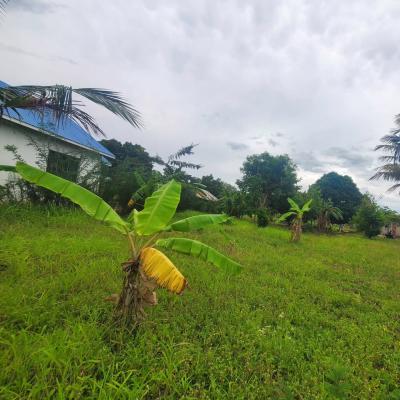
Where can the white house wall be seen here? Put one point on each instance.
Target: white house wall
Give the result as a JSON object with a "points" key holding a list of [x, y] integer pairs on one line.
{"points": [[20, 137]]}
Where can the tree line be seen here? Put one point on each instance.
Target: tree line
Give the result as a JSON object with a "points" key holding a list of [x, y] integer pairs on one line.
{"points": [[261, 193]]}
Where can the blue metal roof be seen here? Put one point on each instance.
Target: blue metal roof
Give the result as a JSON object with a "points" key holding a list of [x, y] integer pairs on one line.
{"points": [[69, 130]]}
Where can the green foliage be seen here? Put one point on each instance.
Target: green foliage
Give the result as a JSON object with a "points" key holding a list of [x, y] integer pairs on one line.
{"points": [[311, 321], [295, 210], [297, 221], [369, 218], [268, 181], [125, 176], [235, 204], [390, 216], [342, 191], [390, 171], [197, 222], [263, 217], [92, 204], [198, 249], [158, 209], [7, 168], [286, 215]]}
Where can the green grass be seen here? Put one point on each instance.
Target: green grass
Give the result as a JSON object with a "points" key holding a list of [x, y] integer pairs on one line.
{"points": [[315, 320]]}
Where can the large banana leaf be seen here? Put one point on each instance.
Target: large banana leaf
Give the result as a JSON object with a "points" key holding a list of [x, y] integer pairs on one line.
{"points": [[158, 209], [197, 222], [307, 206], [92, 204], [8, 168], [293, 204], [198, 249], [286, 215]]}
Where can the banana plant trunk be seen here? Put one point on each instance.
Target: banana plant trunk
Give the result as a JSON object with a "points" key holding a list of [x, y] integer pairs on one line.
{"points": [[137, 292], [296, 230]]}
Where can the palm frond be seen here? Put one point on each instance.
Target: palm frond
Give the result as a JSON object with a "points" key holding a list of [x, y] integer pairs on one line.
{"points": [[184, 164], [388, 172], [184, 151], [389, 159], [59, 101], [394, 187], [385, 147], [391, 146], [336, 213], [113, 102], [3, 4], [158, 160], [397, 119]]}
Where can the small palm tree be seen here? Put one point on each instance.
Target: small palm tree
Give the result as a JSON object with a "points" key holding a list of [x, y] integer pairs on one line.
{"points": [[391, 146], [173, 169], [59, 101], [328, 211], [297, 222]]}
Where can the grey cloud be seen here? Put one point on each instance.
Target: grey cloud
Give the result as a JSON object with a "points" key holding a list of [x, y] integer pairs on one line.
{"points": [[350, 158], [237, 146], [309, 162], [272, 142]]}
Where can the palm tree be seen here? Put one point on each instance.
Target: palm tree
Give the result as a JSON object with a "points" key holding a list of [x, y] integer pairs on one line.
{"points": [[297, 221], [391, 146], [59, 101], [326, 212]]}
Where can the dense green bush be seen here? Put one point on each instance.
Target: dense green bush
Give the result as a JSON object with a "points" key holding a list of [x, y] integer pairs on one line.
{"points": [[236, 205], [369, 217], [263, 217]]}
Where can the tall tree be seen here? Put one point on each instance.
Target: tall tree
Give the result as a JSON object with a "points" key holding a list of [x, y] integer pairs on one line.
{"points": [[341, 191], [268, 181], [136, 156], [390, 171], [121, 178]]}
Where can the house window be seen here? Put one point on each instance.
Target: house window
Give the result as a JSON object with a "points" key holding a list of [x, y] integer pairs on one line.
{"points": [[63, 165]]}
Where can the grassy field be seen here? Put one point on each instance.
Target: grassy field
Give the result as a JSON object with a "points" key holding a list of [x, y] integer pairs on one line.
{"points": [[315, 320]]}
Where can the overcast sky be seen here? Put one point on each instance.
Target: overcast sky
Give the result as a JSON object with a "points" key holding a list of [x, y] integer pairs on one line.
{"points": [[317, 80]]}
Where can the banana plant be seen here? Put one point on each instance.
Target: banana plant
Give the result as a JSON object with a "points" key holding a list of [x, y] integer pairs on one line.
{"points": [[147, 268], [297, 222]]}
